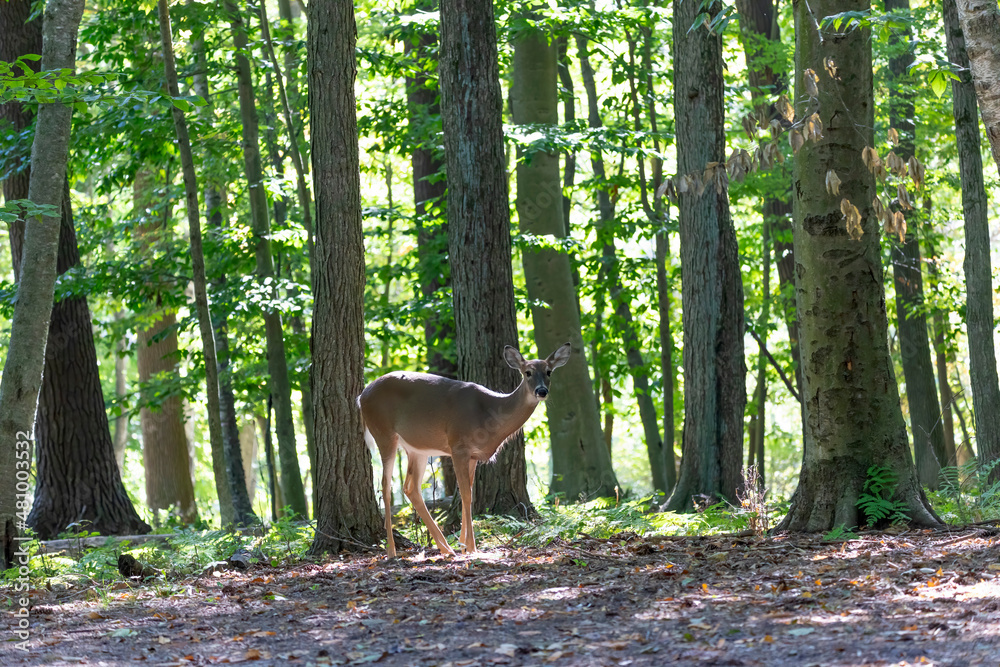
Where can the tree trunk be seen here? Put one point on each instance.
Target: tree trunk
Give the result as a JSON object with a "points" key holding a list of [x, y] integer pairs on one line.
{"points": [[623, 309], [234, 507], [346, 512], [165, 458], [711, 286], [222, 451], [479, 232], [853, 419], [22, 373], [978, 272], [277, 363], [581, 463], [164, 441], [980, 25]]}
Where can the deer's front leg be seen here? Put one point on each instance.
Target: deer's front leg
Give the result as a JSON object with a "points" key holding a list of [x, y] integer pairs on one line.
{"points": [[468, 537], [465, 470]]}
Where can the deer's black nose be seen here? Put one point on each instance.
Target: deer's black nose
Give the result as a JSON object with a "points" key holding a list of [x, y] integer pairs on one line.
{"points": [[541, 392]]}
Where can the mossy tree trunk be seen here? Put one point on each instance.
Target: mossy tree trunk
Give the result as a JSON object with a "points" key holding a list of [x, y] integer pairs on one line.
{"points": [[853, 419]]}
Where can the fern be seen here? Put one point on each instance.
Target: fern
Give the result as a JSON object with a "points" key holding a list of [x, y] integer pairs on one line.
{"points": [[876, 500]]}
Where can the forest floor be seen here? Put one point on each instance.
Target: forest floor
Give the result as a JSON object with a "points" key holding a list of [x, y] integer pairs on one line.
{"points": [[927, 598]]}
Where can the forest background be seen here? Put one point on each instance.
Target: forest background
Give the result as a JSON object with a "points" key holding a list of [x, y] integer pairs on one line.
{"points": [[243, 74]]}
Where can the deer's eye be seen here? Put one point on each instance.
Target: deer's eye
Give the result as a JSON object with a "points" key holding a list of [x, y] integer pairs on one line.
{"points": [[527, 374], [548, 373]]}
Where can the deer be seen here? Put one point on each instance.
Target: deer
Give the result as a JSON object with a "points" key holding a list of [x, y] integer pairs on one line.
{"points": [[430, 415]]}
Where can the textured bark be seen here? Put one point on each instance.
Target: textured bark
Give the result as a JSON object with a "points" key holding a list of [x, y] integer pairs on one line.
{"points": [[911, 322], [347, 516], [223, 484], [978, 272], [22, 373], [980, 23], [622, 306], [79, 480], [581, 463], [711, 287], [850, 401], [277, 363], [479, 232]]}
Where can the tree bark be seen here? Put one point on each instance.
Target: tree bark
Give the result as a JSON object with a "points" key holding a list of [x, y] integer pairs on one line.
{"points": [[347, 516], [22, 373], [479, 231], [978, 272], [980, 23], [851, 405], [277, 363], [711, 286], [581, 463]]}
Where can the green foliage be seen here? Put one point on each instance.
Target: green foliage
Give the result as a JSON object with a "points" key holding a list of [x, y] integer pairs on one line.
{"points": [[876, 501], [840, 532], [965, 493]]}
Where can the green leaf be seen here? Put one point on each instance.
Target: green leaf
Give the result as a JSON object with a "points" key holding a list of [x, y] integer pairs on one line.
{"points": [[182, 104], [939, 83]]}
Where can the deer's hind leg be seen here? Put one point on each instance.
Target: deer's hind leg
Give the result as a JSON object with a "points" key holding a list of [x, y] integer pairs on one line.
{"points": [[387, 452], [416, 464]]}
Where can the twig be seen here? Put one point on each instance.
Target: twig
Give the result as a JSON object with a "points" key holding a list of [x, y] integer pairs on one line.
{"points": [[781, 372]]}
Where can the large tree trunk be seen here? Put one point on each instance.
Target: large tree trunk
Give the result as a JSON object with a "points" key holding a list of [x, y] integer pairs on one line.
{"points": [[79, 480], [347, 515], [980, 22], [277, 363], [166, 461], [978, 273], [853, 419], [581, 463], [711, 287], [911, 322], [479, 232], [22, 373]]}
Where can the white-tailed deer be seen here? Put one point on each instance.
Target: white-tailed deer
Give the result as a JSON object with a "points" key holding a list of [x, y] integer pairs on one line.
{"points": [[429, 415]]}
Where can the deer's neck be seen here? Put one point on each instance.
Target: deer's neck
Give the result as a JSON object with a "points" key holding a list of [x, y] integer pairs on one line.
{"points": [[510, 411]]}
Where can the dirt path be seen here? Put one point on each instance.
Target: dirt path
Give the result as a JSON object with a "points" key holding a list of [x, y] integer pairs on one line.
{"points": [[911, 599]]}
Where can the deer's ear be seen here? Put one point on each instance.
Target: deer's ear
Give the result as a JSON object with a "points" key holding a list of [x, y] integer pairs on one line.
{"points": [[560, 356], [513, 358]]}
